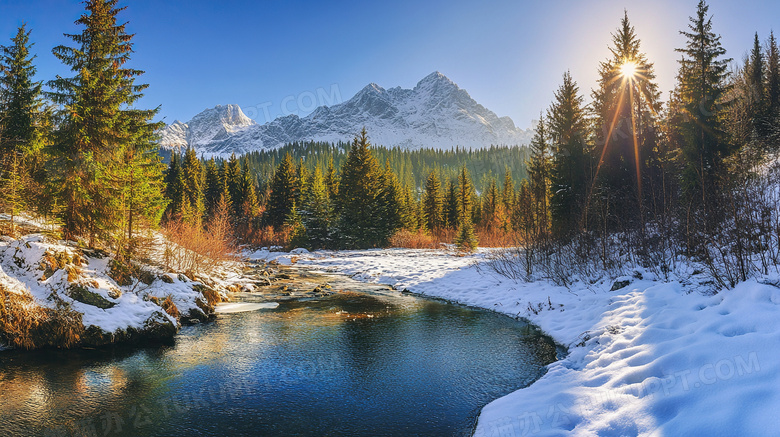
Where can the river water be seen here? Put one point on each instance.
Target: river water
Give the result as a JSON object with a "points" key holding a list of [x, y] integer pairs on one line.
{"points": [[365, 361]]}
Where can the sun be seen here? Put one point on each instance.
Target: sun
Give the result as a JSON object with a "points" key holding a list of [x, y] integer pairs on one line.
{"points": [[629, 69]]}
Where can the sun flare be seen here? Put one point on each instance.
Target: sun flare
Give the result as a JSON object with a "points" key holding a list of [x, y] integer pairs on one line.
{"points": [[628, 69]]}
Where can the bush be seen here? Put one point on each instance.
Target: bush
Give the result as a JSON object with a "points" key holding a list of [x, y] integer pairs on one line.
{"points": [[190, 248], [412, 240]]}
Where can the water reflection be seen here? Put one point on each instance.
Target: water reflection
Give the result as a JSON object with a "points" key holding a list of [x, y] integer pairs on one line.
{"points": [[353, 364]]}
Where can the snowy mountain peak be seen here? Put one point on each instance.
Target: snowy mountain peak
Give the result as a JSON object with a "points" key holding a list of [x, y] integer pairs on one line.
{"points": [[435, 113]]}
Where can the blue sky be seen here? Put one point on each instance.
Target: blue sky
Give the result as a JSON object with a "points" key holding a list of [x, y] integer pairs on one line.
{"points": [[279, 57]]}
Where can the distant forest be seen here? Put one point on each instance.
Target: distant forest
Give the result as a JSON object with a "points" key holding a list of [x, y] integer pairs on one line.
{"points": [[412, 166]]}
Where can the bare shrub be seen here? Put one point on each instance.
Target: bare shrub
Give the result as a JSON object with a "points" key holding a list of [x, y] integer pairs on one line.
{"points": [[190, 248]]}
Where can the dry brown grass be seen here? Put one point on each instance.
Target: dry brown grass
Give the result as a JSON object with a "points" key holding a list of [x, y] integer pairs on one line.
{"points": [[25, 324], [169, 307]]}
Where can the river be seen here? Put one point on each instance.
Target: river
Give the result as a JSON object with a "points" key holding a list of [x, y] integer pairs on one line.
{"points": [[364, 361]]}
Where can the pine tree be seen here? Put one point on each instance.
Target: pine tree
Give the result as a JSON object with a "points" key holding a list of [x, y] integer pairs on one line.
{"points": [[493, 217], [139, 174], [21, 118], [250, 205], [174, 188], [539, 173], [624, 105], [12, 185], [233, 183], [391, 208], [773, 77], [570, 176], [317, 213], [432, 203], [451, 205], [361, 200], [701, 86], [283, 192], [465, 196], [20, 96], [755, 76], [331, 180], [192, 178], [99, 121], [508, 191], [466, 239]]}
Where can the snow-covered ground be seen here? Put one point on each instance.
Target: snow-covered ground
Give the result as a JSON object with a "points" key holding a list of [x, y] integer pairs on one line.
{"points": [[653, 358]]}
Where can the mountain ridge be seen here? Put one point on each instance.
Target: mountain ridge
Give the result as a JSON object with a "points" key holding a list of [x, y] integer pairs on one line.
{"points": [[436, 113]]}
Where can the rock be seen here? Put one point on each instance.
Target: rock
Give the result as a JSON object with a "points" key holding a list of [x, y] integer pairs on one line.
{"points": [[183, 278], [166, 278], [617, 285], [283, 276], [193, 321], [80, 293]]}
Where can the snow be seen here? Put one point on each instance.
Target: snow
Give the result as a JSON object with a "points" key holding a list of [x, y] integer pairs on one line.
{"points": [[653, 358], [23, 270], [435, 113]]}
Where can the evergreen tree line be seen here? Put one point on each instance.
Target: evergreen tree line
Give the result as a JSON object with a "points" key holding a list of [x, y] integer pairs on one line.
{"points": [[359, 204], [630, 178], [80, 152], [412, 167]]}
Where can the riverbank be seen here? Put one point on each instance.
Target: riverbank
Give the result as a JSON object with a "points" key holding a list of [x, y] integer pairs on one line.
{"points": [[60, 295], [646, 356]]}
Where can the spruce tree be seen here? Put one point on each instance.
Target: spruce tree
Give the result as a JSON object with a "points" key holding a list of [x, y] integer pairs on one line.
{"points": [[21, 120], [508, 191], [466, 238], [99, 121], [192, 178], [283, 192], [773, 77], [212, 193], [174, 188], [250, 205], [432, 204], [539, 174], [755, 75], [624, 105], [317, 213], [570, 175], [360, 201], [331, 180], [390, 206], [233, 182], [20, 96], [451, 205], [139, 173], [702, 83]]}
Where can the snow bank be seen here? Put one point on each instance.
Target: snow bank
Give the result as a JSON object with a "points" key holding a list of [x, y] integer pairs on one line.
{"points": [[56, 274], [652, 358]]}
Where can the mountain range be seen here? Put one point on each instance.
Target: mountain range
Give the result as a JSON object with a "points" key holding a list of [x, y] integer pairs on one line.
{"points": [[435, 113]]}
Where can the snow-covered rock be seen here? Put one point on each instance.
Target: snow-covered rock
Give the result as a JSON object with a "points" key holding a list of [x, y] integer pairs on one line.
{"points": [[76, 288], [435, 113]]}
